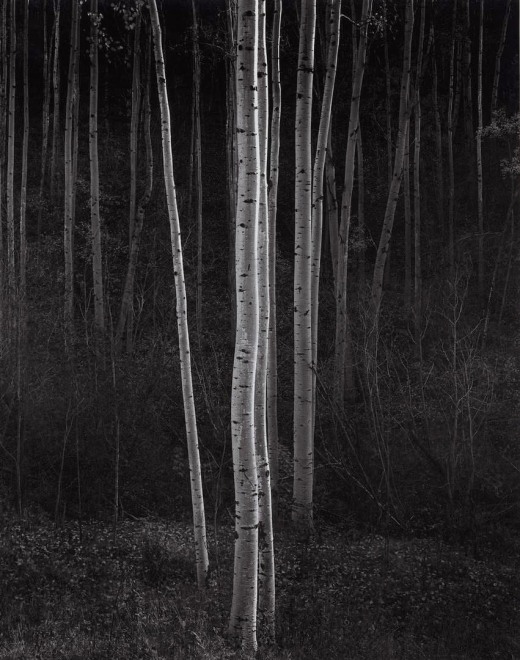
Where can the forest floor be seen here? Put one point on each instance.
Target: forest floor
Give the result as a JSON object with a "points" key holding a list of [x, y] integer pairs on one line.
{"points": [[343, 595]]}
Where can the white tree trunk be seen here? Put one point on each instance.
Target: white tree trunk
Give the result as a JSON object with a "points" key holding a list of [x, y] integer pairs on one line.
{"points": [[197, 498], [242, 624], [303, 441]]}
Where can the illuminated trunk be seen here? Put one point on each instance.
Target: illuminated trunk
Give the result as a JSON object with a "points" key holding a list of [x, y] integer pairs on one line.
{"points": [[303, 378], [478, 140], [243, 618], [498, 58], [199, 523]]}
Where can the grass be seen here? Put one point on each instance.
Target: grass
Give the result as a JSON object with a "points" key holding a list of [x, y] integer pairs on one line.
{"points": [[341, 596]]}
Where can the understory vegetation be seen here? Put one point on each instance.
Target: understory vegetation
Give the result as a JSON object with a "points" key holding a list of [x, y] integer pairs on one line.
{"points": [[75, 593]]}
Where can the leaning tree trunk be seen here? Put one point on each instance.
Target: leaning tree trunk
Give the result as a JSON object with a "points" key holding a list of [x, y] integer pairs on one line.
{"points": [[243, 618], [498, 58], [272, 358], [333, 19], [199, 523], [303, 441], [95, 221], [393, 194], [341, 339]]}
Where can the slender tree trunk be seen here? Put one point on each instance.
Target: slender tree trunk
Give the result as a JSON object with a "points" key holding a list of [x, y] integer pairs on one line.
{"points": [[266, 584], [467, 78], [198, 165], [478, 140], [68, 231], [498, 58], [134, 125], [318, 175], [126, 315], [199, 523], [56, 99], [3, 133], [346, 207], [331, 197], [231, 152], [388, 222], [417, 189], [45, 113], [272, 357], [242, 624], [361, 210], [388, 98], [438, 148], [11, 273], [407, 224], [451, 171], [25, 148], [303, 376], [95, 221]]}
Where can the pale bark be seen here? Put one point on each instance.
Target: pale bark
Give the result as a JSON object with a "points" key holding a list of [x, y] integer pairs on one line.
{"points": [[498, 58], [3, 128], [272, 357], [333, 32], [341, 339], [388, 98], [361, 210], [266, 583], [303, 376], [478, 140], [243, 617], [388, 222], [23, 186], [199, 523], [467, 78], [95, 220], [331, 197]]}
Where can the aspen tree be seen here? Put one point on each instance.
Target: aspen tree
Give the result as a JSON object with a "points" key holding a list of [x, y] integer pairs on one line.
{"points": [[393, 194], [388, 97], [56, 98], [333, 19], [341, 336], [361, 209], [266, 583], [467, 78], [197, 498], [243, 618], [95, 221], [231, 150], [25, 148], [126, 314], [451, 171], [134, 123], [197, 147], [3, 123], [303, 378], [478, 141], [272, 359], [498, 58], [45, 112], [407, 224], [10, 155], [438, 145], [417, 186], [68, 226]]}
